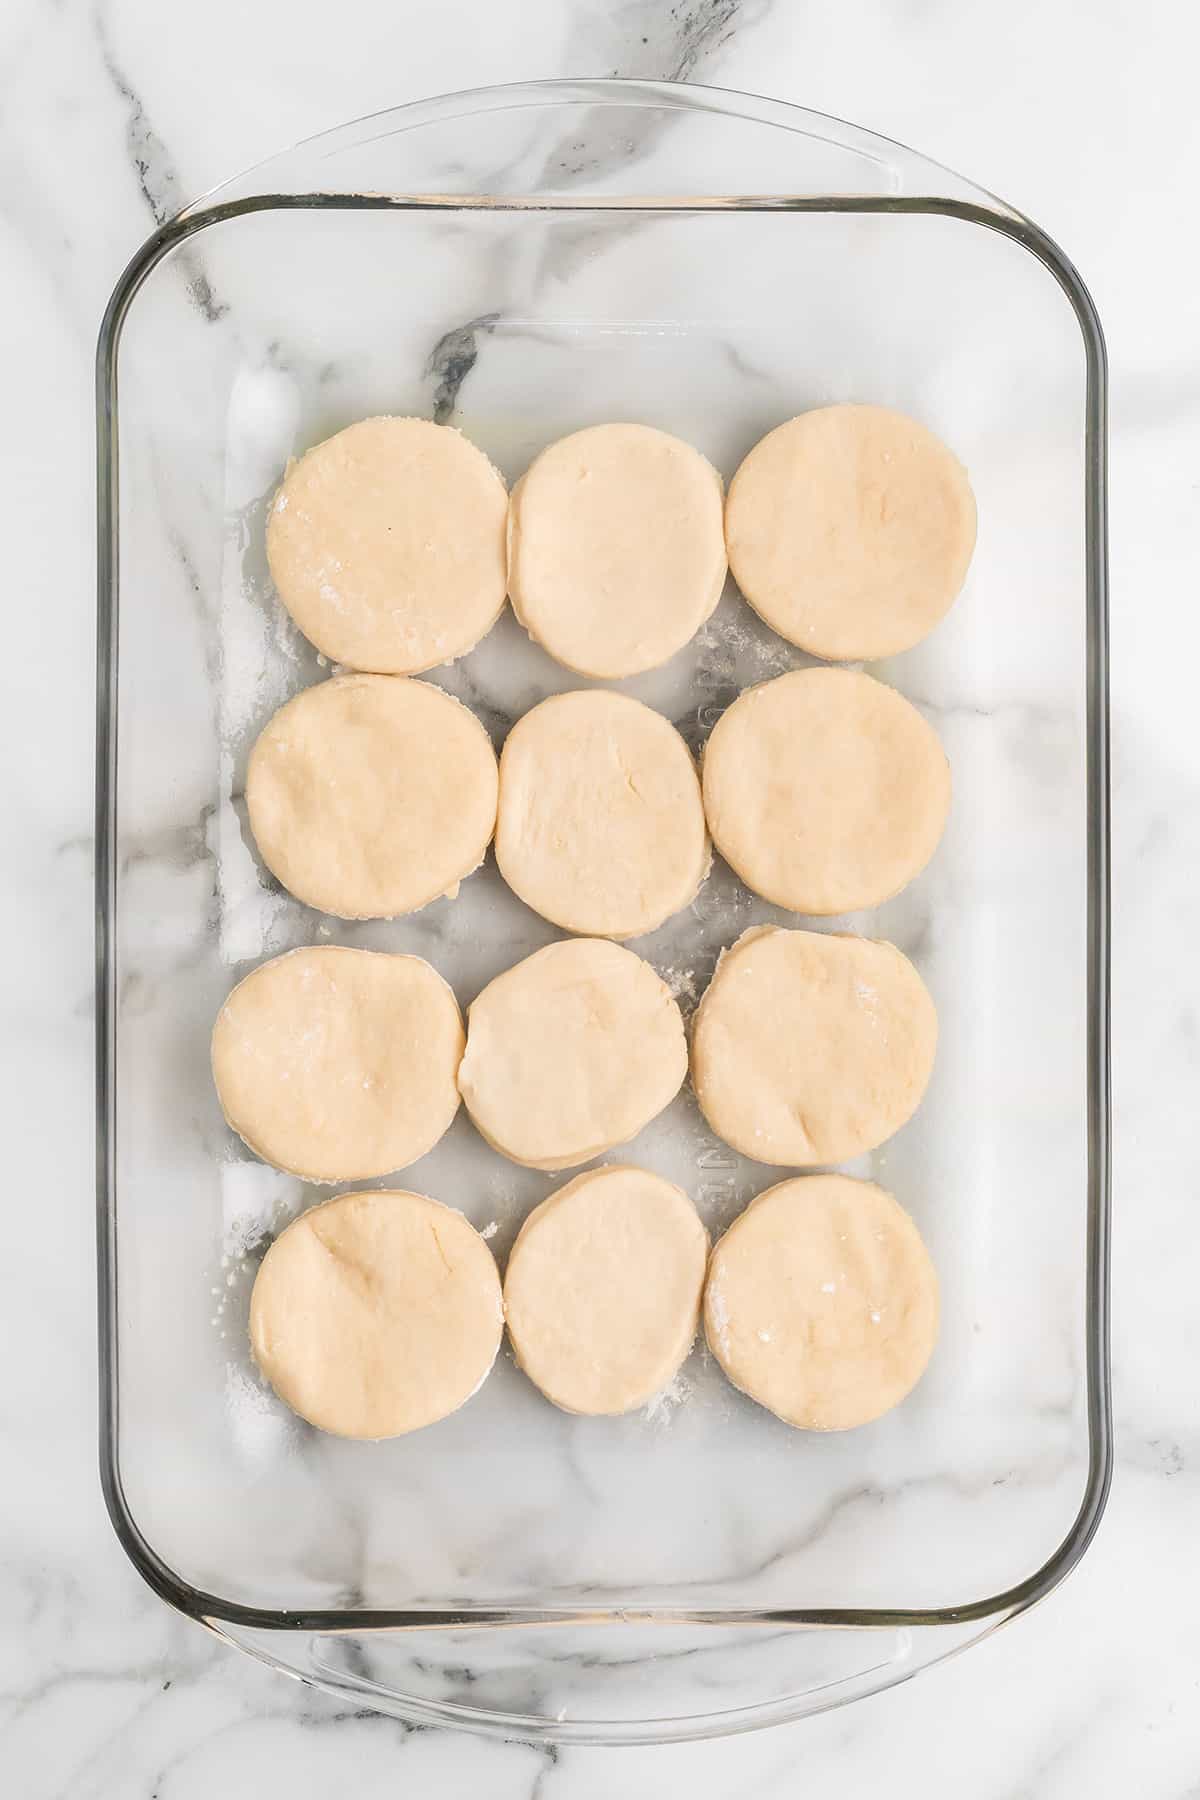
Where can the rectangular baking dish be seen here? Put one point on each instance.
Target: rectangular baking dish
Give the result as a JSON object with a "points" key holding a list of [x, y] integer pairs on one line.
{"points": [[522, 262]]}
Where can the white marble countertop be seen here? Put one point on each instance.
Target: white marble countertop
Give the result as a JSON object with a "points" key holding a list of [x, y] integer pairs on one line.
{"points": [[113, 116]]}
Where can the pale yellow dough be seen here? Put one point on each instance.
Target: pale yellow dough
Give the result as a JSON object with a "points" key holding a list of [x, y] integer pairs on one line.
{"points": [[339, 1064], [822, 1303], [570, 1053], [601, 825], [616, 548], [811, 1048], [376, 1313], [370, 795], [602, 1292], [825, 790], [387, 545], [850, 530]]}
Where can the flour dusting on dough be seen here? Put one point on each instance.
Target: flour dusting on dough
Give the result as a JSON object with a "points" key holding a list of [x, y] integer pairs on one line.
{"points": [[659, 1410]]}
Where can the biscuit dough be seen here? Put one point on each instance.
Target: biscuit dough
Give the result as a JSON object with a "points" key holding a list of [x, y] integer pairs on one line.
{"points": [[339, 1064], [387, 545], [850, 530], [822, 1303], [602, 1292], [810, 1048], [571, 1052], [370, 795], [601, 825], [374, 1314], [616, 548], [825, 790]]}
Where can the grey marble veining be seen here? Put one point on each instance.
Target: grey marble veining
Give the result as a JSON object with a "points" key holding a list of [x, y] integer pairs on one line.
{"points": [[111, 119]]}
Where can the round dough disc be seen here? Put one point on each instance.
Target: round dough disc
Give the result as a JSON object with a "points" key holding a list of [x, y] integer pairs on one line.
{"points": [[601, 826], [387, 545], [602, 1292], [616, 548], [377, 1313], [571, 1052], [809, 1048], [822, 1303], [339, 1064], [370, 795], [825, 790], [850, 530]]}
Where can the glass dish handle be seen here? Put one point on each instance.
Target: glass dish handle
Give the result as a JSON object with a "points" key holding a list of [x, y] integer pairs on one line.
{"points": [[485, 146], [594, 1683]]}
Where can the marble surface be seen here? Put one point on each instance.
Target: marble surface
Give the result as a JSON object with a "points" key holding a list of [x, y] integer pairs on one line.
{"points": [[111, 120]]}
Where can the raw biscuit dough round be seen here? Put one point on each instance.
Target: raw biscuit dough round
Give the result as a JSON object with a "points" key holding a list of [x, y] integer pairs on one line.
{"points": [[339, 1064], [370, 795], [600, 825], [822, 1302], [825, 790], [571, 1052], [616, 548], [387, 545], [377, 1313], [602, 1291], [811, 1048], [849, 531]]}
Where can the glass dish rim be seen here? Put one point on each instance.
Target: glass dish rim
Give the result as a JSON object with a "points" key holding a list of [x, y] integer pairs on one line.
{"points": [[982, 210]]}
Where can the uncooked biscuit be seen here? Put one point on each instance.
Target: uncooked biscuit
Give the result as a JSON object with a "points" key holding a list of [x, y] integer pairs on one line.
{"points": [[850, 530], [602, 1291], [370, 795], [811, 1048], [387, 545], [825, 790], [616, 548], [570, 1053], [339, 1064], [377, 1313], [601, 825], [822, 1303]]}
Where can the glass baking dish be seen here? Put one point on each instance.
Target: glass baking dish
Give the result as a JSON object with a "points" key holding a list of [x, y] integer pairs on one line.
{"points": [[523, 261]]}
